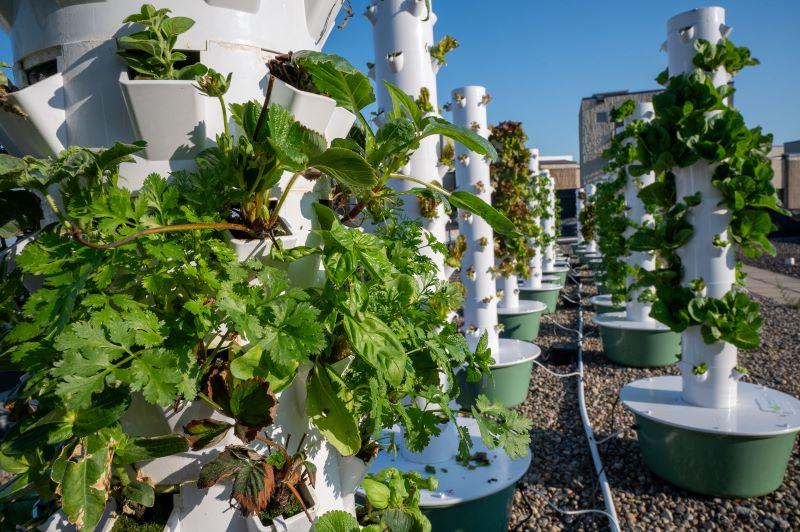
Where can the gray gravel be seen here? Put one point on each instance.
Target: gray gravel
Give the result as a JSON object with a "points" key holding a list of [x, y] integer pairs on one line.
{"points": [[784, 248], [562, 466]]}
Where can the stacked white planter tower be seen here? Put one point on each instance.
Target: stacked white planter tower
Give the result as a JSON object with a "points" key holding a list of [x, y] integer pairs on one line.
{"points": [[636, 316], [591, 245], [578, 209], [714, 404], [92, 102], [535, 278], [403, 35], [541, 283]]}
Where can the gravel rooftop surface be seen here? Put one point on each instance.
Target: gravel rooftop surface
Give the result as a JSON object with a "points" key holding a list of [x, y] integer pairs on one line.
{"points": [[562, 467], [785, 248]]}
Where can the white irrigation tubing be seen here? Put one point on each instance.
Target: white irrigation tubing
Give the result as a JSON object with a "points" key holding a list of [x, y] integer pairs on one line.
{"points": [[611, 511]]}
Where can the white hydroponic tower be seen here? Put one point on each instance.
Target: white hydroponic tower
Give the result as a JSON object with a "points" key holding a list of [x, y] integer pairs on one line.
{"points": [[473, 175], [708, 421], [76, 91], [403, 35]]}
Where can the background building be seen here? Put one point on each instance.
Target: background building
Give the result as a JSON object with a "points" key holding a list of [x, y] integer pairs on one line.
{"points": [[596, 128]]}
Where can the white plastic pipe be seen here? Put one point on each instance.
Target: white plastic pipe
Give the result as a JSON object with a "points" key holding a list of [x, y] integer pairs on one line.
{"points": [[472, 175], [701, 259], [636, 310], [549, 226], [403, 34]]}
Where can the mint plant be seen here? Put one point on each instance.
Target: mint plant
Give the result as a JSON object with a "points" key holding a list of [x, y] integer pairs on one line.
{"points": [[151, 52]]}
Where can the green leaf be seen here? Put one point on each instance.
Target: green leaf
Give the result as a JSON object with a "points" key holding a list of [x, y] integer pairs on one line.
{"points": [[205, 432], [253, 405], [377, 493], [433, 125], [107, 407], [11, 169], [175, 26], [336, 521], [404, 104], [140, 492], [345, 166], [375, 342], [471, 203], [336, 77], [327, 407], [144, 448], [84, 483]]}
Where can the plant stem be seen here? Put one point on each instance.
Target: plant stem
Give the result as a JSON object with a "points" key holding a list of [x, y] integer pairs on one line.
{"points": [[427, 184], [263, 115], [78, 234], [273, 217], [210, 401], [224, 116]]}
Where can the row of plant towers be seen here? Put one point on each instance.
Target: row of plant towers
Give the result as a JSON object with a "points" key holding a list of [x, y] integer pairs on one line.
{"points": [[688, 182]]}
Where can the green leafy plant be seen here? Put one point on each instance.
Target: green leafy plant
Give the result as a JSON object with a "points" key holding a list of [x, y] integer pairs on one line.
{"points": [[515, 196], [151, 52], [693, 123], [6, 88], [440, 50], [392, 505]]}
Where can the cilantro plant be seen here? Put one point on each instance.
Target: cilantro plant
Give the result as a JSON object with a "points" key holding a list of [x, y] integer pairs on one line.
{"points": [[694, 123]]}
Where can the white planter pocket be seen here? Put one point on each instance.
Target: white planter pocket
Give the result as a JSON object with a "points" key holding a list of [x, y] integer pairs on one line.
{"points": [[352, 471], [395, 61], [43, 132], [247, 6], [296, 523], [256, 248], [314, 111], [170, 116]]}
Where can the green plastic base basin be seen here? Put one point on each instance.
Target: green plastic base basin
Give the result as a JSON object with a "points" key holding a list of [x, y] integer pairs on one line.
{"points": [[640, 349], [714, 464], [520, 326], [562, 277], [602, 309], [548, 297], [509, 386], [489, 514], [601, 289]]}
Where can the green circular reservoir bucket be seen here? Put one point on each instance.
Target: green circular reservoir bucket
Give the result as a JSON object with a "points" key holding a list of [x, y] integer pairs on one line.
{"points": [[511, 376], [547, 294], [603, 304], [489, 514], [637, 344], [560, 272], [522, 322], [737, 452]]}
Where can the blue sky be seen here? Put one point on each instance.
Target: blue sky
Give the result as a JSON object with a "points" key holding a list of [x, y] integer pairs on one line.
{"points": [[539, 58]]}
